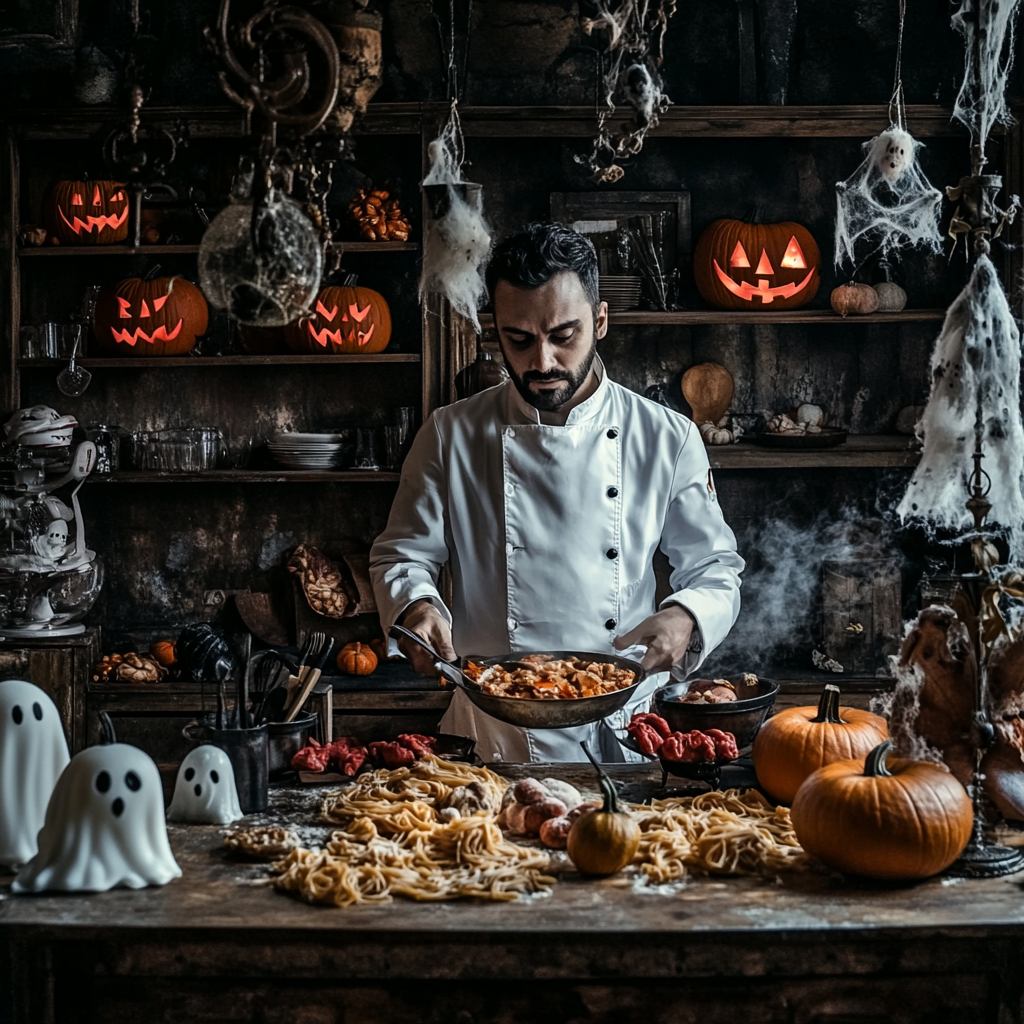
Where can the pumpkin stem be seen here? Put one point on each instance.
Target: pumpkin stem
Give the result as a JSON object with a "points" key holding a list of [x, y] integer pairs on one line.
{"points": [[350, 281], [828, 706], [753, 215], [153, 273], [611, 799], [874, 764]]}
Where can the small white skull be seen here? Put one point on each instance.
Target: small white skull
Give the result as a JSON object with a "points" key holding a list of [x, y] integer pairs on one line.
{"points": [[57, 539]]}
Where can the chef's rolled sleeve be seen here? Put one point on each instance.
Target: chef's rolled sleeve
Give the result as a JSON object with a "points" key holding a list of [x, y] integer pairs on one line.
{"points": [[701, 548], [407, 557]]}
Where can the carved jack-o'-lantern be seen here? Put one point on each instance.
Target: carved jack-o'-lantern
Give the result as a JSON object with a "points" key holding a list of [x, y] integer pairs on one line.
{"points": [[158, 317], [345, 320], [741, 265], [86, 212]]}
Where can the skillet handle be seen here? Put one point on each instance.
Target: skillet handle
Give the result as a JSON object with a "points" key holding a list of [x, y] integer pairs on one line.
{"points": [[445, 669]]}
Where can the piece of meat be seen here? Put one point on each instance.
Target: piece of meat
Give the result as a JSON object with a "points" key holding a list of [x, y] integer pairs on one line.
{"points": [[421, 746], [725, 744], [393, 755], [656, 722], [688, 747], [646, 737], [312, 758], [939, 646]]}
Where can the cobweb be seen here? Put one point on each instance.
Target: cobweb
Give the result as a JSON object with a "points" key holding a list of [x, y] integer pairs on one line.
{"points": [[457, 243], [981, 102], [975, 380], [887, 203]]}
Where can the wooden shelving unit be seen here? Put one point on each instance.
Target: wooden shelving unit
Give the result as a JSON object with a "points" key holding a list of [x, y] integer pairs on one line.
{"points": [[204, 362], [246, 476], [176, 250], [808, 317], [860, 451]]}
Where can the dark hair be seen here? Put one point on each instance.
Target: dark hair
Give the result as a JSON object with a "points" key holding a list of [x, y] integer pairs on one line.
{"points": [[535, 253]]}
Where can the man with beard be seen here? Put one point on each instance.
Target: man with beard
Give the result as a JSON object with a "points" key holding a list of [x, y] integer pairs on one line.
{"points": [[547, 497]]}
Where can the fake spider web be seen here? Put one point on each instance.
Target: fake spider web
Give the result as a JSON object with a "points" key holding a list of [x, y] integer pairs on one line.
{"points": [[887, 204], [456, 243], [975, 372], [988, 30]]}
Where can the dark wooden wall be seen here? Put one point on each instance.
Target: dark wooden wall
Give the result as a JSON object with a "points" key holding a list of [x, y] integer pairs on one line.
{"points": [[167, 544]]}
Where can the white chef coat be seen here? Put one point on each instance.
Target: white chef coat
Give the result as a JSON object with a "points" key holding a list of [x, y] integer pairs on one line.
{"points": [[549, 533]]}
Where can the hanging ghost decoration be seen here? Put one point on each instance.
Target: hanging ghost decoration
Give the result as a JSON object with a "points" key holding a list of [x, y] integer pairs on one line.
{"points": [[456, 239], [205, 792], [887, 204], [33, 753], [975, 371], [104, 826]]}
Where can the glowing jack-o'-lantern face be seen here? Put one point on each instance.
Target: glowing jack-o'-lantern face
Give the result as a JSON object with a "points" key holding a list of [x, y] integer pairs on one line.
{"points": [[344, 320], [756, 266], [162, 317], [86, 212]]}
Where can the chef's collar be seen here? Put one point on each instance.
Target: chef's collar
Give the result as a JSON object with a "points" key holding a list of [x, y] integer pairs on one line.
{"points": [[520, 410]]}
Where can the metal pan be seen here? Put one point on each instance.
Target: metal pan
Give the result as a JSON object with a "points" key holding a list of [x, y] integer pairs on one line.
{"points": [[526, 712]]}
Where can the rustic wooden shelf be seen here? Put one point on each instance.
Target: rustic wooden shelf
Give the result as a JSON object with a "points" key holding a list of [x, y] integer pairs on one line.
{"points": [[163, 250], [694, 317], [163, 362], [861, 451], [250, 476]]}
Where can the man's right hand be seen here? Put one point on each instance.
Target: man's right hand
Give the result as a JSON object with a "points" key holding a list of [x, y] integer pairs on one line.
{"points": [[423, 619]]}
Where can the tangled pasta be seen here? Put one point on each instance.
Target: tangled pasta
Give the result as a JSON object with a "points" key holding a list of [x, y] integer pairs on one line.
{"points": [[727, 833], [392, 841]]}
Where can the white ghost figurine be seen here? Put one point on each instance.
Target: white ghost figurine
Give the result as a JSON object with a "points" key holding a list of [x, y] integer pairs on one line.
{"points": [[33, 753], [893, 152], [205, 792], [104, 826]]}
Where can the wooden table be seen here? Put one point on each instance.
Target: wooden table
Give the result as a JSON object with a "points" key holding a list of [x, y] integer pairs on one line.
{"points": [[220, 945]]}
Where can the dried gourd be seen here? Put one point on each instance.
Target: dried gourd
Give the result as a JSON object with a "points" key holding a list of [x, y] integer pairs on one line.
{"points": [[379, 217]]}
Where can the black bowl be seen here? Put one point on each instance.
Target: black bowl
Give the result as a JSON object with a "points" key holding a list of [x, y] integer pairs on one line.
{"points": [[741, 717]]}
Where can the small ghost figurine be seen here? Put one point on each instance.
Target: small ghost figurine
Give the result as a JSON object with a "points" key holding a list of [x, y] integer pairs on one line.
{"points": [[104, 826], [205, 793], [893, 152], [33, 753]]}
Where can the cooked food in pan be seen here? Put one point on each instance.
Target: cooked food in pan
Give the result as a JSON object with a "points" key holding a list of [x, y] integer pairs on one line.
{"points": [[715, 691], [542, 677]]}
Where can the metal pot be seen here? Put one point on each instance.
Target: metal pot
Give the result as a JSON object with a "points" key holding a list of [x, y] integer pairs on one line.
{"points": [[741, 717]]}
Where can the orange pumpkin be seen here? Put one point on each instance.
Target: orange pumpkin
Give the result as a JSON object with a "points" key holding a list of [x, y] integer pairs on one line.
{"points": [[796, 742], [744, 265], [895, 820], [345, 320], [159, 317], [357, 660], [163, 651], [86, 212]]}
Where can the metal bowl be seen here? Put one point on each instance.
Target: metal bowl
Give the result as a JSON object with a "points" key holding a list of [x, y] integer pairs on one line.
{"points": [[697, 771], [528, 713], [742, 717]]}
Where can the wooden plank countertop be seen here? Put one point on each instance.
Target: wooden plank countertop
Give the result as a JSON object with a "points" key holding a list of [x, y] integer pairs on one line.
{"points": [[220, 894], [221, 944]]}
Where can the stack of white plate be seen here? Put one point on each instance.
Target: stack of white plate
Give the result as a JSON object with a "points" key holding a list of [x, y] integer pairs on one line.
{"points": [[619, 291], [307, 451]]}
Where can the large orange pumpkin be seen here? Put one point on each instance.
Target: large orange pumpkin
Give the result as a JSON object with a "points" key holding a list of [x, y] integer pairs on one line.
{"points": [[86, 212], [159, 317], [885, 819], [744, 265], [345, 320], [798, 741]]}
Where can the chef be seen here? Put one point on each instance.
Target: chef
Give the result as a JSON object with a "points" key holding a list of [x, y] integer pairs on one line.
{"points": [[547, 497]]}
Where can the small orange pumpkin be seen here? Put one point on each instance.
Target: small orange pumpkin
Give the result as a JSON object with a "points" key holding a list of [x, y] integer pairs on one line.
{"points": [[895, 820], [859, 299], [86, 212], [357, 659], [345, 320], [799, 741], [162, 316], [163, 651]]}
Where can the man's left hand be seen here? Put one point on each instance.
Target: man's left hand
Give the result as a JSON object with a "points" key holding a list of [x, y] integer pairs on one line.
{"points": [[667, 635]]}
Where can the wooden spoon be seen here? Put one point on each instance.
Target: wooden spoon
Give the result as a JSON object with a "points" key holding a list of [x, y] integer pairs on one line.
{"points": [[708, 388]]}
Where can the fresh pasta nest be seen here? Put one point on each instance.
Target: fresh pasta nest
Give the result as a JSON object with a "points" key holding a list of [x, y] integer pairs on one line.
{"points": [[393, 840]]}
